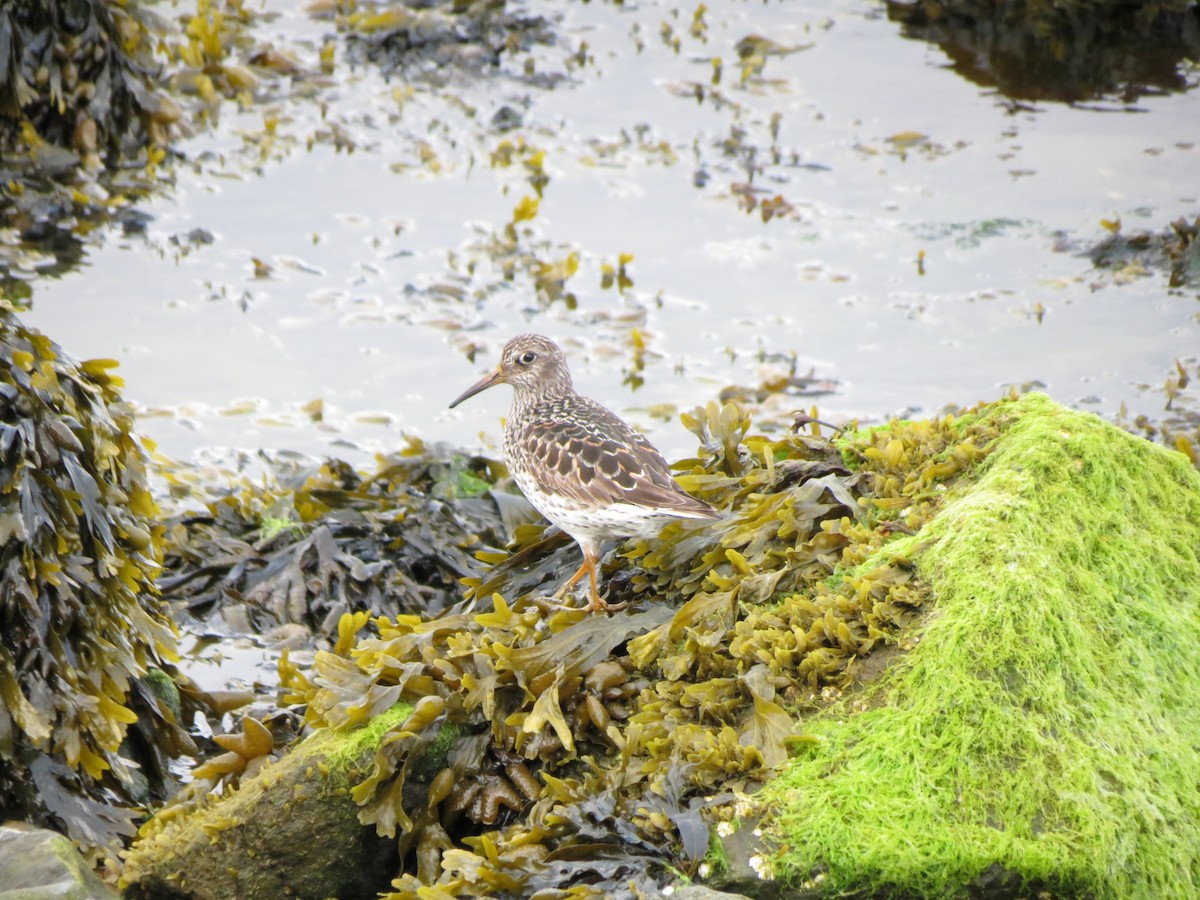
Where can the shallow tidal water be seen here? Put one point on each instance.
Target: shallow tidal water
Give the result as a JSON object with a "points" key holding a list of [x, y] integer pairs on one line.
{"points": [[320, 285]]}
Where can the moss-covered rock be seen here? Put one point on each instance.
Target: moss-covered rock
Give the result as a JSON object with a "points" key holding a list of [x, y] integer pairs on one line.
{"points": [[291, 830], [1042, 732]]}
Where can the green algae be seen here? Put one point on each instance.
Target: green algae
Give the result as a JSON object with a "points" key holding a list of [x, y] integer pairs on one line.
{"points": [[1043, 726]]}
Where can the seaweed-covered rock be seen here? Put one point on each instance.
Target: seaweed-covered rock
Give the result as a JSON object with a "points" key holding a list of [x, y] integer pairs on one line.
{"points": [[291, 830], [935, 658], [80, 619], [77, 76], [599, 751], [436, 39], [1174, 250], [1041, 734]]}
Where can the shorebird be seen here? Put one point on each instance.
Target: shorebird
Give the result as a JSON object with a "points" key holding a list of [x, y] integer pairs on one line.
{"points": [[579, 464]]}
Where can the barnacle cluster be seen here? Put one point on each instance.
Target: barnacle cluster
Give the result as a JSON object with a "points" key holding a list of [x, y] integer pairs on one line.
{"points": [[82, 621], [570, 731]]}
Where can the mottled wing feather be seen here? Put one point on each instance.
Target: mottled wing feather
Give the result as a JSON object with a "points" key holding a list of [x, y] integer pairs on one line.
{"points": [[596, 459]]}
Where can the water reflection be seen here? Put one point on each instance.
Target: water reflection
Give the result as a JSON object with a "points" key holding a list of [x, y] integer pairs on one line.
{"points": [[1047, 52]]}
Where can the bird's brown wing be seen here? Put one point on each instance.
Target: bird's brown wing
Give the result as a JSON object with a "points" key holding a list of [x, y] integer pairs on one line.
{"points": [[598, 459]]}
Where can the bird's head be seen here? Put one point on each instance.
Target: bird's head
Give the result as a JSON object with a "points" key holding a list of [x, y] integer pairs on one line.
{"points": [[534, 365]]}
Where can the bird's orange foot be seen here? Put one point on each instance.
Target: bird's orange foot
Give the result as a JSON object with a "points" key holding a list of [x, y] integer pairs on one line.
{"points": [[547, 604], [599, 604]]}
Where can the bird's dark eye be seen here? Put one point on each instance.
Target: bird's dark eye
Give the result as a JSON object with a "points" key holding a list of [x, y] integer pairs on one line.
{"points": [[527, 358]]}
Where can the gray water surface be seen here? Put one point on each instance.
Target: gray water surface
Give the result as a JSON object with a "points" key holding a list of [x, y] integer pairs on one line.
{"points": [[380, 284]]}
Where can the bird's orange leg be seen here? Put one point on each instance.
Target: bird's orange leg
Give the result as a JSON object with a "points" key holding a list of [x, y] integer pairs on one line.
{"points": [[574, 579], [589, 566]]}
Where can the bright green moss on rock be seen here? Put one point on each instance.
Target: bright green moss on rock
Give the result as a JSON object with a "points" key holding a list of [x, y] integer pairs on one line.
{"points": [[1043, 730]]}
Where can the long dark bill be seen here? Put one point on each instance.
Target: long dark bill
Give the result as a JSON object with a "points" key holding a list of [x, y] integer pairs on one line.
{"points": [[491, 378]]}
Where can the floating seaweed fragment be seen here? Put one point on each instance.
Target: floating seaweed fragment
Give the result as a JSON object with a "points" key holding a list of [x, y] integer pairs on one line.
{"points": [[1179, 427], [1174, 250]]}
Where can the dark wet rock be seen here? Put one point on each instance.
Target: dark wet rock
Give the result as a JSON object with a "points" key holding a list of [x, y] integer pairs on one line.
{"points": [[37, 864], [133, 221], [197, 237], [506, 118], [1072, 53]]}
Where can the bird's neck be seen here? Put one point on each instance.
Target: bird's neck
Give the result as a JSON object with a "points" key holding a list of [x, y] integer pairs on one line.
{"points": [[527, 401]]}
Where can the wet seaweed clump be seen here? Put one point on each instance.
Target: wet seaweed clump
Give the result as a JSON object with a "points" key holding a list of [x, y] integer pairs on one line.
{"points": [[80, 99], [432, 41], [1175, 250], [585, 754], [305, 542], [89, 720], [1068, 53], [77, 83]]}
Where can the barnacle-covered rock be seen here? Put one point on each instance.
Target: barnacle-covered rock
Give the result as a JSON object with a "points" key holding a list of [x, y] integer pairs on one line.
{"points": [[82, 622]]}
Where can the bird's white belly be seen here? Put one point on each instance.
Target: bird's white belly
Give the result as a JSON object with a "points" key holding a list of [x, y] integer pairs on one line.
{"points": [[592, 523]]}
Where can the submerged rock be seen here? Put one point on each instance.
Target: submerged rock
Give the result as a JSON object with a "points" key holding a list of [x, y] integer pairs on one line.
{"points": [[36, 864]]}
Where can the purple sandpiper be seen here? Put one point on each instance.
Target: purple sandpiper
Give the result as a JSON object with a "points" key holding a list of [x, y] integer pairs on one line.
{"points": [[578, 463]]}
